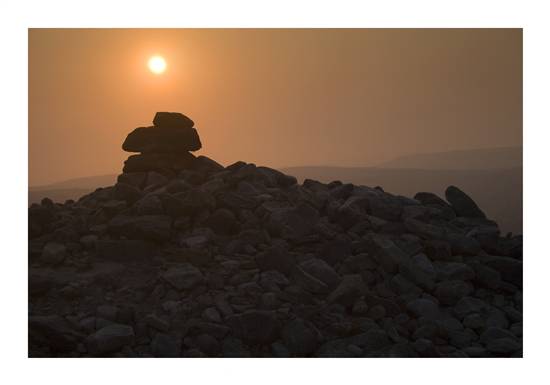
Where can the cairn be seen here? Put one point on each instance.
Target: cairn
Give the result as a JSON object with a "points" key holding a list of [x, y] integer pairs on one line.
{"points": [[164, 152]]}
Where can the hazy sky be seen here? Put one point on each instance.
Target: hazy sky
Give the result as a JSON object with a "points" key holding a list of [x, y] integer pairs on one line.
{"points": [[272, 97]]}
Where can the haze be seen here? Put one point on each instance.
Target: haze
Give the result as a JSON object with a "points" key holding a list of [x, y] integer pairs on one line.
{"points": [[278, 98]]}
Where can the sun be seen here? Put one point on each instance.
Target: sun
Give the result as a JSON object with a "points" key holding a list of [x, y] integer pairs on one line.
{"points": [[157, 64]]}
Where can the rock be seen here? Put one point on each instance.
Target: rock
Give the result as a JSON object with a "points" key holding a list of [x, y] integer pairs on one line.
{"points": [[158, 323], [223, 221], [183, 276], [463, 205], [503, 345], [371, 341], [211, 315], [450, 292], [454, 270], [294, 223], [463, 245], [377, 312], [108, 312], [53, 331], [171, 140], [335, 251], [486, 277], [423, 307], [424, 230], [308, 281], [438, 250], [110, 339], [166, 345], [388, 255], [510, 269], [145, 227], [53, 253], [136, 179], [208, 344], [418, 270], [350, 289], [322, 271], [427, 198], [126, 192], [279, 350], [204, 163], [88, 241], [276, 258], [255, 327], [172, 120], [158, 162], [473, 321], [469, 305], [233, 347], [299, 338], [155, 179], [125, 250], [149, 205]]}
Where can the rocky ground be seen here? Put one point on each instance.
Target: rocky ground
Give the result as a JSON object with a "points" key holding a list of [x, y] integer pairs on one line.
{"points": [[198, 260]]}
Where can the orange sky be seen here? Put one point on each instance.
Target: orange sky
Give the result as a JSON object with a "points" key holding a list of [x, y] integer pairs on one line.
{"points": [[272, 97]]}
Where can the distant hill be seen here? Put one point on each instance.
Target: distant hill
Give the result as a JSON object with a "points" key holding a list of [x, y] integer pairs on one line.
{"points": [[70, 189], [498, 192], [478, 159]]}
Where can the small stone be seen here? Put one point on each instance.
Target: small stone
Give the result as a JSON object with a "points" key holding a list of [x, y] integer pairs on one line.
{"points": [[299, 338], [108, 312], [355, 350], [157, 322], [211, 315], [183, 276], [208, 344], [503, 346], [54, 253], [166, 345], [377, 312], [110, 339], [463, 205], [423, 308], [360, 307], [279, 350], [255, 326], [350, 288]]}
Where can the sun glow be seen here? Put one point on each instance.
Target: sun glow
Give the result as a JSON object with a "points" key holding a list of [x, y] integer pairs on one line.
{"points": [[157, 64]]}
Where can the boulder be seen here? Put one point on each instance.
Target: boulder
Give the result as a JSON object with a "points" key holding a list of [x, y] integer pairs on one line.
{"points": [[299, 338], [255, 327], [349, 290], [158, 162], [166, 345], [53, 253], [322, 271], [172, 120], [110, 339], [223, 221], [53, 331], [125, 250], [450, 292], [162, 140], [463, 205], [145, 227], [183, 276]]}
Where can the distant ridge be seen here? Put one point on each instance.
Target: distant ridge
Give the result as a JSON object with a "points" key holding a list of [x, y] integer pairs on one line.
{"points": [[485, 158]]}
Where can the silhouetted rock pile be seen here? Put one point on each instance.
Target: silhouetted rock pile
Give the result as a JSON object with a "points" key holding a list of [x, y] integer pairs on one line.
{"points": [[189, 258]]}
